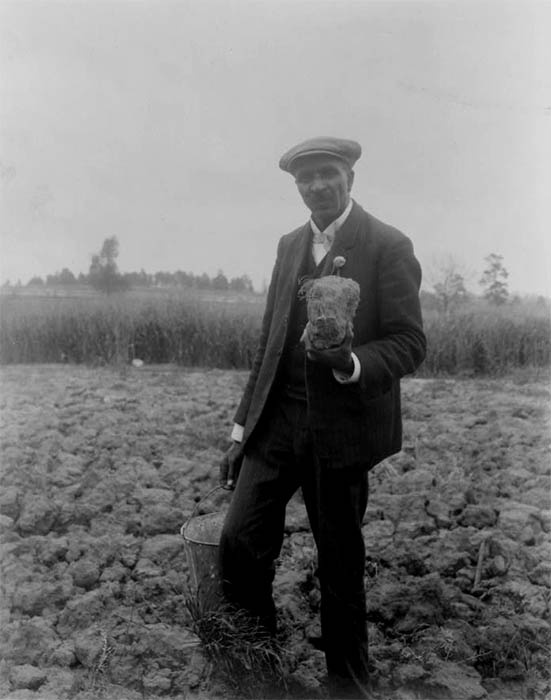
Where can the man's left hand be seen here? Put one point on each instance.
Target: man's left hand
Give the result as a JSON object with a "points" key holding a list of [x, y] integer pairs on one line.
{"points": [[339, 357]]}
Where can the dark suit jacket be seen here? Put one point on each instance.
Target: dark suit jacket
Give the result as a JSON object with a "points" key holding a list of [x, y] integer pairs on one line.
{"points": [[352, 424]]}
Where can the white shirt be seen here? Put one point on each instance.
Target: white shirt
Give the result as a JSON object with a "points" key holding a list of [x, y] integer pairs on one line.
{"points": [[322, 242]]}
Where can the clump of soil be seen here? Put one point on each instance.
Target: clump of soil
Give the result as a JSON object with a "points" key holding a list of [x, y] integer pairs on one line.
{"points": [[331, 304], [100, 470]]}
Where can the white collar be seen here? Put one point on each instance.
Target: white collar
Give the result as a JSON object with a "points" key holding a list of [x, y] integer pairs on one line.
{"points": [[334, 226]]}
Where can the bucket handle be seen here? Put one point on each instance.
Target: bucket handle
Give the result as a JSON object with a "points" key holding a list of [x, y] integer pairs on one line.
{"points": [[201, 500]]}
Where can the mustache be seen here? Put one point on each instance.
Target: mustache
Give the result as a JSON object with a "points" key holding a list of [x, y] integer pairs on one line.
{"points": [[320, 199]]}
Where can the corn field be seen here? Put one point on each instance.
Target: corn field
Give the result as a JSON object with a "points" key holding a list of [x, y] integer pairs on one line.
{"points": [[193, 331]]}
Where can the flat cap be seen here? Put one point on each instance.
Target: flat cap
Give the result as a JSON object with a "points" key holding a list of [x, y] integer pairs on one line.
{"points": [[346, 150]]}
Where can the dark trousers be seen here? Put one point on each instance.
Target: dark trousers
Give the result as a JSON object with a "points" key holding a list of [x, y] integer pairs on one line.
{"points": [[279, 460]]}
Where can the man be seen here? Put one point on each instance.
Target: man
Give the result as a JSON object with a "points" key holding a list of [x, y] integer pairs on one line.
{"points": [[321, 419]]}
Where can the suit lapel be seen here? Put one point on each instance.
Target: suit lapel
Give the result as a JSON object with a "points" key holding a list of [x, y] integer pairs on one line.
{"points": [[295, 258], [345, 239]]}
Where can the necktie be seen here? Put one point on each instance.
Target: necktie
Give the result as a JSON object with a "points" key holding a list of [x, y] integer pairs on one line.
{"points": [[323, 238]]}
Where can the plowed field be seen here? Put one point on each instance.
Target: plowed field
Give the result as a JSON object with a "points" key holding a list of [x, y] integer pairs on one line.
{"points": [[101, 467]]}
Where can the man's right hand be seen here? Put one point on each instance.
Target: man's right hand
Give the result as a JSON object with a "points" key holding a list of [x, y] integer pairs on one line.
{"points": [[230, 466]]}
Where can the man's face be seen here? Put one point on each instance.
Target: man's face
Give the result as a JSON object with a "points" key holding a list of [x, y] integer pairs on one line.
{"points": [[324, 183]]}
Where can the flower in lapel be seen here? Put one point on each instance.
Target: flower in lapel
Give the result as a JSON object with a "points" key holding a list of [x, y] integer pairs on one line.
{"points": [[338, 263]]}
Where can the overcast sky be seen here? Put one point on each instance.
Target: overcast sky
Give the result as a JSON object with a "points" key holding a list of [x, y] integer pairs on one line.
{"points": [[163, 122]]}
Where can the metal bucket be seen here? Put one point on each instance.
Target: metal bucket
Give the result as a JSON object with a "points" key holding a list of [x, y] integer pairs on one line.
{"points": [[201, 535]]}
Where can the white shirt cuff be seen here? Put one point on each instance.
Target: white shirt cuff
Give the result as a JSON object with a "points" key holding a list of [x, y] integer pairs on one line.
{"points": [[237, 433], [344, 378]]}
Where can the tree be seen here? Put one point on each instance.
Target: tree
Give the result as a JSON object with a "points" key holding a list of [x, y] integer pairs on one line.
{"points": [[220, 282], [494, 280], [203, 281], [448, 285], [183, 279], [61, 278], [145, 280], [241, 284], [138, 279], [66, 277], [104, 274]]}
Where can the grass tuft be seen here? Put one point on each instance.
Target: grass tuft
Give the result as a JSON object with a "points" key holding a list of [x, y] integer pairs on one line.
{"points": [[240, 651]]}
